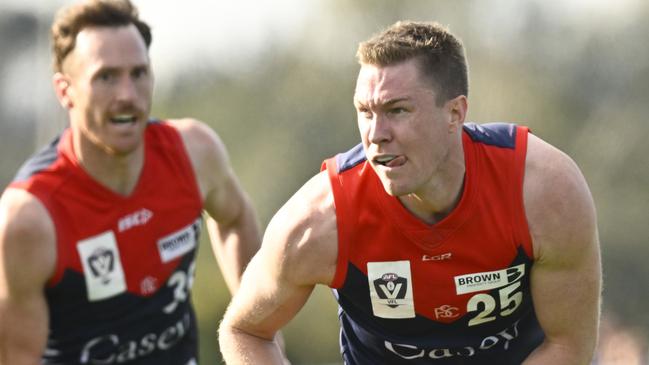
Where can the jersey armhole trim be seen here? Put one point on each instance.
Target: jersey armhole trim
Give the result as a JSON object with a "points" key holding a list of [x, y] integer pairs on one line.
{"points": [[184, 157], [340, 206], [521, 227]]}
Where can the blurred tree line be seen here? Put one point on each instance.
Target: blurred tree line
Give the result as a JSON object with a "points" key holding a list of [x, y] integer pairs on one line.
{"points": [[582, 85]]}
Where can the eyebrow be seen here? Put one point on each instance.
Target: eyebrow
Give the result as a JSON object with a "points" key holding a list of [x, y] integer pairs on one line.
{"points": [[394, 101], [387, 103], [113, 69]]}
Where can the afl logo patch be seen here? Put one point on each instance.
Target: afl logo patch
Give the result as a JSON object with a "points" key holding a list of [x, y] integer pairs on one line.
{"points": [[390, 285], [102, 267]]}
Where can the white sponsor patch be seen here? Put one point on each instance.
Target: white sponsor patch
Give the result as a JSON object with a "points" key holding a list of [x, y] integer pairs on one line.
{"points": [[391, 289], [179, 242], [102, 267], [488, 280]]}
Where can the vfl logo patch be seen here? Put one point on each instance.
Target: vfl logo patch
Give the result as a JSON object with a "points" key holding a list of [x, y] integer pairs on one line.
{"points": [[390, 285], [180, 242], [488, 280], [102, 263], [102, 268], [391, 288]]}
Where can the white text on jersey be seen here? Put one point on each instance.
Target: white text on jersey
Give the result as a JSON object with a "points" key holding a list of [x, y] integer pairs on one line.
{"points": [[139, 218]]}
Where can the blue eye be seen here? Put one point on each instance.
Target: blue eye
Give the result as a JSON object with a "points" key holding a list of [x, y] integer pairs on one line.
{"points": [[105, 76], [139, 72]]}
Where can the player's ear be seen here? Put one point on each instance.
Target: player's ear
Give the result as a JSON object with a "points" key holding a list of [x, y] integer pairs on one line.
{"points": [[61, 83], [457, 108]]}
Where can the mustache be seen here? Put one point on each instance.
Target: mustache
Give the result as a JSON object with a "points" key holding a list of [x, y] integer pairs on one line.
{"points": [[126, 108]]}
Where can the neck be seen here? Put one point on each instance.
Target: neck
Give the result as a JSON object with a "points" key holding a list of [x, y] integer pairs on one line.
{"points": [[442, 194], [118, 172]]}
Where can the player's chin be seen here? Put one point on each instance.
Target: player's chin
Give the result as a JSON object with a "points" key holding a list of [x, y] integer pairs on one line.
{"points": [[392, 187], [124, 147]]}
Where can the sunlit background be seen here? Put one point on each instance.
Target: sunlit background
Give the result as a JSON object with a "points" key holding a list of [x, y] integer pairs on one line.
{"points": [[275, 80]]}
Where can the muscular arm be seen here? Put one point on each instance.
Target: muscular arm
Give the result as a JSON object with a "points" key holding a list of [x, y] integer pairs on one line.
{"points": [[299, 250], [566, 275], [232, 223], [27, 259]]}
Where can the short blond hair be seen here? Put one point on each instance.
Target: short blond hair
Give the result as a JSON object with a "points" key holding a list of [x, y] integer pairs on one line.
{"points": [[440, 53]]}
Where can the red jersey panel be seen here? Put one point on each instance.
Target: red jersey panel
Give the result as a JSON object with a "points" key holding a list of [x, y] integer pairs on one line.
{"points": [[456, 292], [125, 264]]}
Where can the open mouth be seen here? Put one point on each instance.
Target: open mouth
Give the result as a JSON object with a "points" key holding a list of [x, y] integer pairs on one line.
{"points": [[384, 160], [123, 119], [389, 160]]}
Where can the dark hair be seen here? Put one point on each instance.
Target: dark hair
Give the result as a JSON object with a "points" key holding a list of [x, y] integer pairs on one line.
{"points": [[440, 54], [73, 19]]}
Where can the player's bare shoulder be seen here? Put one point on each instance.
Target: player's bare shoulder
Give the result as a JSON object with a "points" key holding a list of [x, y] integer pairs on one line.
{"points": [[27, 237], [206, 151], [558, 202], [305, 230], [201, 141]]}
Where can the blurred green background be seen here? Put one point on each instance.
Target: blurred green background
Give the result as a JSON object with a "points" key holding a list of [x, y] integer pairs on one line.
{"points": [[279, 86]]}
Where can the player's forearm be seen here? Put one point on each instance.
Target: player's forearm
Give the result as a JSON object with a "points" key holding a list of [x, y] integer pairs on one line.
{"points": [[18, 348], [240, 348], [13, 356], [560, 354], [234, 245], [23, 331], [245, 240]]}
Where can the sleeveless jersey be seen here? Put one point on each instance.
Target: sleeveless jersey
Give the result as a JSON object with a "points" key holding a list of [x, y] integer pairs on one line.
{"points": [[125, 264], [456, 292]]}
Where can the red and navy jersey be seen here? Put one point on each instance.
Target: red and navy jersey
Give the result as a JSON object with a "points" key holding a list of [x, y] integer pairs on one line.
{"points": [[455, 292], [120, 292]]}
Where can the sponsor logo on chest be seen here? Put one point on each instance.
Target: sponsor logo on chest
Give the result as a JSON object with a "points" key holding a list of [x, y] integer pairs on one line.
{"points": [[179, 242], [488, 280], [500, 341], [113, 349]]}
